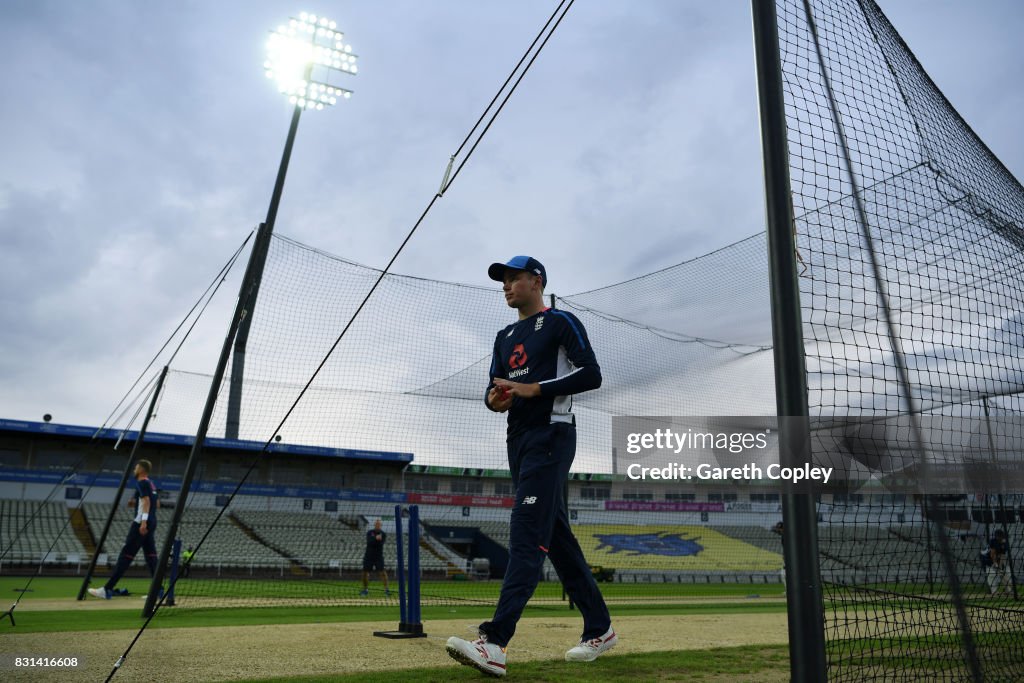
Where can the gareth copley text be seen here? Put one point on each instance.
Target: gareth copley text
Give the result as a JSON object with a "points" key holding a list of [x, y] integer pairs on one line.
{"points": [[751, 472]]}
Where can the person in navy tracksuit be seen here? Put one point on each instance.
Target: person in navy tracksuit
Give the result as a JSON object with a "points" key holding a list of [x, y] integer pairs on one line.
{"points": [[141, 534], [538, 364], [373, 558]]}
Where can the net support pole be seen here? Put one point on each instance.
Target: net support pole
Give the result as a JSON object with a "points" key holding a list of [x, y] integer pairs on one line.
{"points": [[1009, 551], [258, 260], [553, 300], [124, 482], [999, 499], [928, 540], [410, 619], [175, 567], [196, 454], [415, 622], [800, 525], [565, 509], [403, 614]]}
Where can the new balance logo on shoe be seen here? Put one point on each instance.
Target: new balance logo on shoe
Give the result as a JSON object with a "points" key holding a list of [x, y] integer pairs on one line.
{"points": [[589, 650], [479, 654], [529, 500]]}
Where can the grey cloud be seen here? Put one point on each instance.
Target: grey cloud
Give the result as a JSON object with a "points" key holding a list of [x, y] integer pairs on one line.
{"points": [[143, 141]]}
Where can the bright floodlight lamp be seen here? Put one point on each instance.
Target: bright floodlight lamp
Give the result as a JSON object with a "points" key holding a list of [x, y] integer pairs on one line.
{"points": [[303, 55]]}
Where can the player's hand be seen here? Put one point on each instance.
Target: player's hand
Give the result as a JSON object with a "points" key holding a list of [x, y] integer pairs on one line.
{"points": [[517, 389], [499, 400], [144, 527]]}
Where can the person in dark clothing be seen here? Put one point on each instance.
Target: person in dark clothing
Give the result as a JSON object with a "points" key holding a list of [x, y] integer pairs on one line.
{"points": [[186, 562], [373, 558], [141, 534], [996, 563], [779, 529], [537, 365]]}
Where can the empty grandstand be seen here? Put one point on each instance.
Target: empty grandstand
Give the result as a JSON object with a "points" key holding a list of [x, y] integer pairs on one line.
{"points": [[33, 532], [289, 522]]}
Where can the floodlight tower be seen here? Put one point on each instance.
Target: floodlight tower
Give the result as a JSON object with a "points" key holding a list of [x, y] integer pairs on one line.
{"points": [[302, 59]]}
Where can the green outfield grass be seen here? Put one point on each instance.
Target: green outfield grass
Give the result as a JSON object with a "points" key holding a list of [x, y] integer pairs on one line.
{"points": [[455, 593], [461, 600], [760, 663], [105, 620], [937, 657], [466, 601], [53, 588], [92, 617], [482, 591]]}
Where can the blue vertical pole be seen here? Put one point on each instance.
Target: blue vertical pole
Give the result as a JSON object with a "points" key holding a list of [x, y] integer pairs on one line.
{"points": [[175, 562], [414, 565], [400, 569], [408, 600]]}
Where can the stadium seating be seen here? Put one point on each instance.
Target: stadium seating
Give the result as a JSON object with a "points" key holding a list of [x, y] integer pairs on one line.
{"points": [[31, 530], [297, 541], [873, 553], [757, 536], [316, 540], [226, 546], [260, 538], [313, 540]]}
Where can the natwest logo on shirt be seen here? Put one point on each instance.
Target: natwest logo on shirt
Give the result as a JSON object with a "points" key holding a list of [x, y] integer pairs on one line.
{"points": [[518, 358]]}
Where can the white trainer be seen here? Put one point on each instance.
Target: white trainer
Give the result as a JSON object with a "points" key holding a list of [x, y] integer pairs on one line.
{"points": [[589, 650], [99, 593], [479, 654]]}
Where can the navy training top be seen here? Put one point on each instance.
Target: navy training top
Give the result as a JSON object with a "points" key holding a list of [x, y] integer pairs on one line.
{"points": [[550, 348], [373, 546], [144, 488], [997, 547]]}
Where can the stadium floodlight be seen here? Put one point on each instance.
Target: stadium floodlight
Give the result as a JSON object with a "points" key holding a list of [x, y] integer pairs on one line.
{"points": [[305, 59], [302, 58], [305, 47]]}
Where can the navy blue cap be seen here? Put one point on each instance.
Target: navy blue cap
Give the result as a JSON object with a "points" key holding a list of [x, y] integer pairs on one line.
{"points": [[526, 263]]}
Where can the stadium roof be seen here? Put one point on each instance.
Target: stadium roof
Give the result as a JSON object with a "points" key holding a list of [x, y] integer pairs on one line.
{"points": [[211, 442]]}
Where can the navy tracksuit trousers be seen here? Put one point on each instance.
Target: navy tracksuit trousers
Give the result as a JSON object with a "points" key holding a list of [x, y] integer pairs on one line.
{"points": [[132, 544], [539, 460]]}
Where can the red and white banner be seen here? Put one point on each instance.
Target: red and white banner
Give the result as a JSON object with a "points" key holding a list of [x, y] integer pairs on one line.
{"points": [[662, 506], [471, 501]]}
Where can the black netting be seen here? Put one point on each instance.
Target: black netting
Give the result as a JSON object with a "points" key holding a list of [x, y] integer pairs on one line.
{"points": [[945, 223], [944, 219], [408, 377]]}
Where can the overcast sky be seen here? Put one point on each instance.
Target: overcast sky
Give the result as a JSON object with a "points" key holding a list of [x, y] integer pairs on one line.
{"points": [[141, 141]]}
